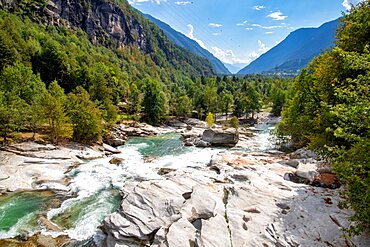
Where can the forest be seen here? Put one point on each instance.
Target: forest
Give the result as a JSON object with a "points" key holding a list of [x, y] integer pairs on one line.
{"points": [[330, 111], [54, 80]]}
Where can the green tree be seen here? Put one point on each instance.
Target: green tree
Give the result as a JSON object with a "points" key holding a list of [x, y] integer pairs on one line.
{"points": [[211, 98], [55, 112], [254, 97], [234, 123], [330, 111], [85, 116], [154, 102], [184, 106], [210, 120], [135, 101], [227, 102], [278, 98], [11, 113], [22, 92]]}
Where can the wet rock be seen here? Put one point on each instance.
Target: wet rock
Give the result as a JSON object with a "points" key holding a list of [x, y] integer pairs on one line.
{"points": [[188, 143], [291, 163], [116, 161], [89, 155], [149, 159], [202, 144], [110, 149], [303, 154], [163, 171], [308, 171], [219, 137], [177, 124], [296, 179], [195, 122], [283, 206]]}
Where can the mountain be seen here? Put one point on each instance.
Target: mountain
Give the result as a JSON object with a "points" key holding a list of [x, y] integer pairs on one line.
{"points": [[296, 51], [113, 24], [187, 43], [232, 68]]}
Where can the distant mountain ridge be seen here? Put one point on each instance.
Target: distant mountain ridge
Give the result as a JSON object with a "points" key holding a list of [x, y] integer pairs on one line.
{"points": [[295, 51], [181, 40]]}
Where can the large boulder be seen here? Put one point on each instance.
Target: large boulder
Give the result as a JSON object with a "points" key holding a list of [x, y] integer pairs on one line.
{"points": [[218, 137]]}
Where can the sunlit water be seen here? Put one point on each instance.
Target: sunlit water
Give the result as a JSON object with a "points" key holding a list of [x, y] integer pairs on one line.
{"points": [[95, 186]]}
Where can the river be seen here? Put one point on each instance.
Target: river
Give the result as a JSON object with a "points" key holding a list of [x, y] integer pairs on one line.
{"points": [[94, 189]]}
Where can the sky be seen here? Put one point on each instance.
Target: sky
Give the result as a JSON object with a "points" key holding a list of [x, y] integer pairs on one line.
{"points": [[239, 31]]}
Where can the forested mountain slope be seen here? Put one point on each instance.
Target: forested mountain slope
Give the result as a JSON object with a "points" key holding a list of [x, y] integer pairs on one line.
{"points": [[113, 24], [189, 44]]}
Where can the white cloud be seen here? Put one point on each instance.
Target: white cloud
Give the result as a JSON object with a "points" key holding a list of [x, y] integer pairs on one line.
{"points": [[277, 16], [216, 34], [248, 28], [270, 27], [214, 25], [191, 35], [242, 24], [262, 47], [229, 57], [138, 2], [183, 3], [348, 3], [269, 32], [259, 7]]}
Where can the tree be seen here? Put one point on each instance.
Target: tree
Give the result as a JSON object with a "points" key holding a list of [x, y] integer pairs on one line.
{"points": [[54, 108], [234, 123], [11, 113], [227, 102], [22, 92], [210, 120], [211, 98], [85, 116], [330, 111], [135, 100], [278, 98], [254, 97], [154, 102], [184, 106]]}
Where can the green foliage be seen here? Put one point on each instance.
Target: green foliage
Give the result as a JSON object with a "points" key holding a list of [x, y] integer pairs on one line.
{"points": [[227, 102], [184, 106], [210, 120], [330, 111], [85, 116], [234, 122], [54, 109], [154, 102], [135, 100], [354, 34], [21, 91]]}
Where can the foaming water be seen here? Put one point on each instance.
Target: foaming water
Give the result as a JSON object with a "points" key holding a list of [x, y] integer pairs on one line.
{"points": [[95, 185], [20, 212]]}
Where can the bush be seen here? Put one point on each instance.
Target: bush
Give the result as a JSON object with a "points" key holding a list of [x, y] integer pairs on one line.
{"points": [[210, 120], [234, 123]]}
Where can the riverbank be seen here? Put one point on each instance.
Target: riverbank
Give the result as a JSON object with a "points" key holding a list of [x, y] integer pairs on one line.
{"points": [[160, 193]]}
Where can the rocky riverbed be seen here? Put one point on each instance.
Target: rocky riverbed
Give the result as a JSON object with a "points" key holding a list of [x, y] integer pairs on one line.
{"points": [[155, 191]]}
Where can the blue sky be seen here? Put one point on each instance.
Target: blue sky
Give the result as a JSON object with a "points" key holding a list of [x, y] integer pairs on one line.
{"points": [[238, 31]]}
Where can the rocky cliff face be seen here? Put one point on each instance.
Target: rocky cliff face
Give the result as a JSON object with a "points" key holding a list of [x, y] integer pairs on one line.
{"points": [[114, 24], [104, 22]]}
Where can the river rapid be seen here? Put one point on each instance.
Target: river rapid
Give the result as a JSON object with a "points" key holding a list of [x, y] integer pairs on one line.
{"points": [[77, 210]]}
